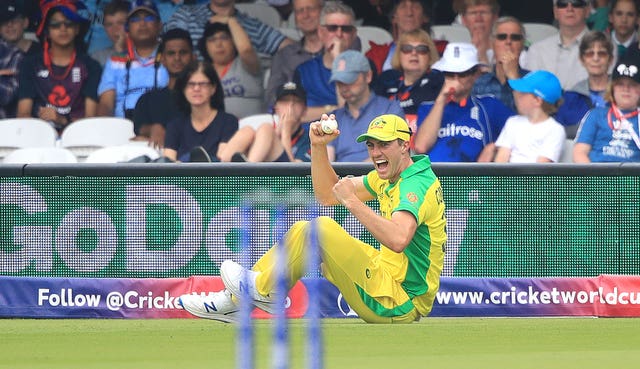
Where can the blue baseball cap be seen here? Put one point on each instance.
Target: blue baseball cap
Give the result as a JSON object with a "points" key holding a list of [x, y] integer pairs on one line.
{"points": [[348, 65], [541, 83]]}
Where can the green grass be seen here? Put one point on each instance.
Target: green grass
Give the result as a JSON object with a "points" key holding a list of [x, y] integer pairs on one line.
{"points": [[581, 343]]}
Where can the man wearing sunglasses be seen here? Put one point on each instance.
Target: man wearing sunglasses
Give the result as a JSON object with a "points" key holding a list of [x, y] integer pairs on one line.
{"points": [[128, 75], [338, 33], [560, 53], [507, 40], [458, 126]]}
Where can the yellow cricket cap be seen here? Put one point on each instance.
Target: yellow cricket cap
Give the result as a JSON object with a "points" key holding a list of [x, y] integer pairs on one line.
{"points": [[387, 127]]}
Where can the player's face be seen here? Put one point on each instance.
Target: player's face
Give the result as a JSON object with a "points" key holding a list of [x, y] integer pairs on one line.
{"points": [[626, 93], [387, 157], [596, 60], [61, 30]]}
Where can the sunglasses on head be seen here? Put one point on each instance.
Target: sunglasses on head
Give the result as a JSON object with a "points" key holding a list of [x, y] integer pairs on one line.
{"points": [[346, 28], [512, 36], [562, 4], [419, 49], [57, 25]]}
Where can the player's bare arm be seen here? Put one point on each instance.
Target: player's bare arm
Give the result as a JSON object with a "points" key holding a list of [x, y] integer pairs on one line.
{"points": [[394, 233], [323, 176]]}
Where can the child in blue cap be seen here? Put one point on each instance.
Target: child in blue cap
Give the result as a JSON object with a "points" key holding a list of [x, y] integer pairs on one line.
{"points": [[533, 136]]}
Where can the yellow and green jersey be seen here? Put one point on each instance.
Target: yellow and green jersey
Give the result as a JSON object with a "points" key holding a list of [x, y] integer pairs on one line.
{"points": [[417, 191]]}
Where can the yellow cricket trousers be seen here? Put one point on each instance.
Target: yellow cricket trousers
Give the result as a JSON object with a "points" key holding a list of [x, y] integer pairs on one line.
{"points": [[348, 263]]}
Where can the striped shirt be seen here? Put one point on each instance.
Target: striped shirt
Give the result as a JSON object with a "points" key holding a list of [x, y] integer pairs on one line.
{"points": [[193, 18]]}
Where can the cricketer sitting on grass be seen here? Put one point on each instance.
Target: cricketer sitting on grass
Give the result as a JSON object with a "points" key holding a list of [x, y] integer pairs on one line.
{"points": [[396, 284]]}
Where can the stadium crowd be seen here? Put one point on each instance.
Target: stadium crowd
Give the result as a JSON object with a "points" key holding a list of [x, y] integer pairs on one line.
{"points": [[190, 73]]}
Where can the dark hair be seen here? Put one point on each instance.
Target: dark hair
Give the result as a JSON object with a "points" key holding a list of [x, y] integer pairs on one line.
{"points": [[210, 30], [116, 6], [593, 37], [217, 99], [78, 42], [175, 34], [613, 3]]}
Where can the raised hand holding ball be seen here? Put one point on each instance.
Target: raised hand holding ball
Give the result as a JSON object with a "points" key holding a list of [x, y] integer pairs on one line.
{"points": [[329, 125]]}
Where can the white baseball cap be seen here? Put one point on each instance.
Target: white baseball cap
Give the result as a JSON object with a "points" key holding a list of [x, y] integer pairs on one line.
{"points": [[458, 57]]}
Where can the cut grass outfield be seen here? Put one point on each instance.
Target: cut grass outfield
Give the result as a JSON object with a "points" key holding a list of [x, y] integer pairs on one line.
{"points": [[349, 343]]}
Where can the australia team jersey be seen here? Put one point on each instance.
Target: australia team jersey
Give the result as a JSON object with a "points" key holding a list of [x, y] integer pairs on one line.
{"points": [[418, 192], [466, 128]]}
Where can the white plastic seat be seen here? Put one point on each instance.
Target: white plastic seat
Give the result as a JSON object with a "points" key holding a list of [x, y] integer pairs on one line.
{"points": [[84, 136], [38, 155], [122, 153], [539, 31], [375, 34], [451, 33], [262, 11], [17, 133], [256, 120], [567, 151]]}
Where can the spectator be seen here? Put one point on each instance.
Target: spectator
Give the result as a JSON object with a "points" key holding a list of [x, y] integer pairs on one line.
{"points": [[457, 126], [559, 53], [596, 54], [10, 60], [337, 33], [411, 81], [623, 17], [194, 19], [351, 72], [205, 124], [610, 134], [598, 20], [533, 136], [281, 140], [406, 16], [227, 46], [115, 18], [59, 85], [128, 75], [479, 16], [157, 107], [13, 24], [507, 40], [285, 61]]}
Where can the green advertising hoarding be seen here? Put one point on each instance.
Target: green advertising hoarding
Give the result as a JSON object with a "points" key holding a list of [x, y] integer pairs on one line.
{"points": [[101, 224]]}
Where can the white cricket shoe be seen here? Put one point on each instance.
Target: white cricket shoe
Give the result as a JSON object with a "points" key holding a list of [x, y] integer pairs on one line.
{"points": [[216, 306], [232, 275]]}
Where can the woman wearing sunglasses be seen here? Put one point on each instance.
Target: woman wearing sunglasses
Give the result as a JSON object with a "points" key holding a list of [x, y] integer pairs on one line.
{"points": [[60, 84], [411, 81]]}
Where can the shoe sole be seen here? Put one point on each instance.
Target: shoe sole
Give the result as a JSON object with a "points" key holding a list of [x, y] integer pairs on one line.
{"points": [[227, 318], [269, 307]]}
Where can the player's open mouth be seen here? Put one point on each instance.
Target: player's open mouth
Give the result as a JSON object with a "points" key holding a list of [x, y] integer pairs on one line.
{"points": [[381, 164]]}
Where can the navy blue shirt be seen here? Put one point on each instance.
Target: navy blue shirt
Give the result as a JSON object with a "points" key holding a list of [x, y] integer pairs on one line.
{"points": [[182, 137]]}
